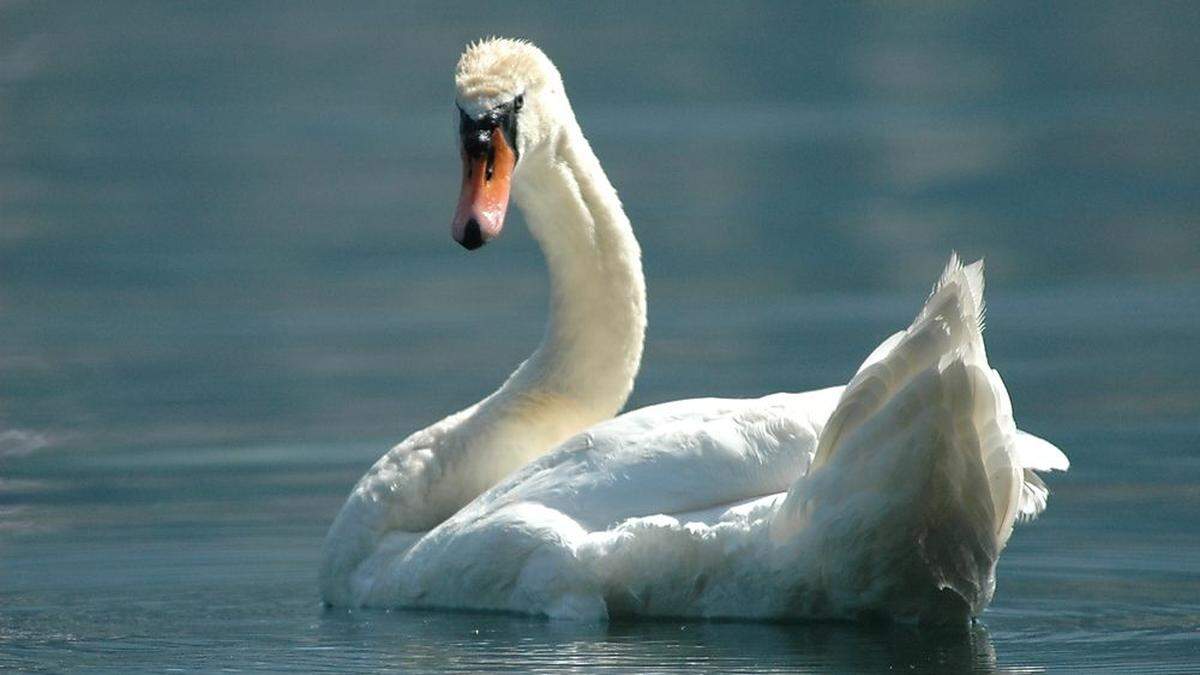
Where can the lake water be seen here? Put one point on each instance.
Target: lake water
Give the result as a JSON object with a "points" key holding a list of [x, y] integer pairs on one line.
{"points": [[227, 285]]}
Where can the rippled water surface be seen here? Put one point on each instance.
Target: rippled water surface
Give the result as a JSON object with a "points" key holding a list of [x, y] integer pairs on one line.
{"points": [[227, 285]]}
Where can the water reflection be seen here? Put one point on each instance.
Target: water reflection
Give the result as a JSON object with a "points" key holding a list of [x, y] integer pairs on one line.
{"points": [[470, 641]]}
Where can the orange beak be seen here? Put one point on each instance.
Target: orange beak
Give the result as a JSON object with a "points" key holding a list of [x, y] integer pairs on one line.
{"points": [[488, 163]]}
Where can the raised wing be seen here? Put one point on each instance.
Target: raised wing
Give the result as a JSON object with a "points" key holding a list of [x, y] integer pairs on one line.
{"points": [[921, 460]]}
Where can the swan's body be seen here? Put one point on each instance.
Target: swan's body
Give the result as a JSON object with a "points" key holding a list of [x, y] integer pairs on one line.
{"points": [[894, 495]]}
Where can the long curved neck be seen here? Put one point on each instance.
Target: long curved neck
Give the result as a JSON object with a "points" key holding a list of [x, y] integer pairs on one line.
{"points": [[583, 370], [593, 342], [580, 374]]}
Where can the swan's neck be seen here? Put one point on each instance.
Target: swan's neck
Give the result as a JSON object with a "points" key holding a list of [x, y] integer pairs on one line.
{"points": [[584, 368], [593, 342]]}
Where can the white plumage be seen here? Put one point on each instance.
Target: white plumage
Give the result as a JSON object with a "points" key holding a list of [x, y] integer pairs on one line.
{"points": [[893, 495]]}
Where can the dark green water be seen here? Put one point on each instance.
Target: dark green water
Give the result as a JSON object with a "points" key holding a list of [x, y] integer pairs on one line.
{"points": [[227, 285]]}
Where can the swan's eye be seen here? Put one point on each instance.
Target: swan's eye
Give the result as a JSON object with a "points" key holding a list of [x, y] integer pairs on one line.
{"points": [[518, 102]]}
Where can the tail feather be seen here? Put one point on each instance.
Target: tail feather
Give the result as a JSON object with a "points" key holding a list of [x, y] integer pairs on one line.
{"points": [[1035, 454], [1039, 454], [921, 459], [1034, 495]]}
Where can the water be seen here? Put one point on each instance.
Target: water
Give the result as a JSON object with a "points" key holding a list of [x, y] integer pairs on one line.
{"points": [[227, 285]]}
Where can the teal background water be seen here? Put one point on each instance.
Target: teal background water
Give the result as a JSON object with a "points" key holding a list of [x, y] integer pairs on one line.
{"points": [[227, 285]]}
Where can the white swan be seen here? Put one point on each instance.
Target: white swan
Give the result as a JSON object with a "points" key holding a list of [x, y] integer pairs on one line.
{"points": [[893, 495]]}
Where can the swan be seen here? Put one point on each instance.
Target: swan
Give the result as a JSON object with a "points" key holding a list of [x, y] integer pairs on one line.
{"points": [[892, 496]]}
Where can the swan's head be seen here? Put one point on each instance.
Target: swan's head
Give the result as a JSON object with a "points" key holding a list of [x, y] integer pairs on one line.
{"points": [[509, 98]]}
